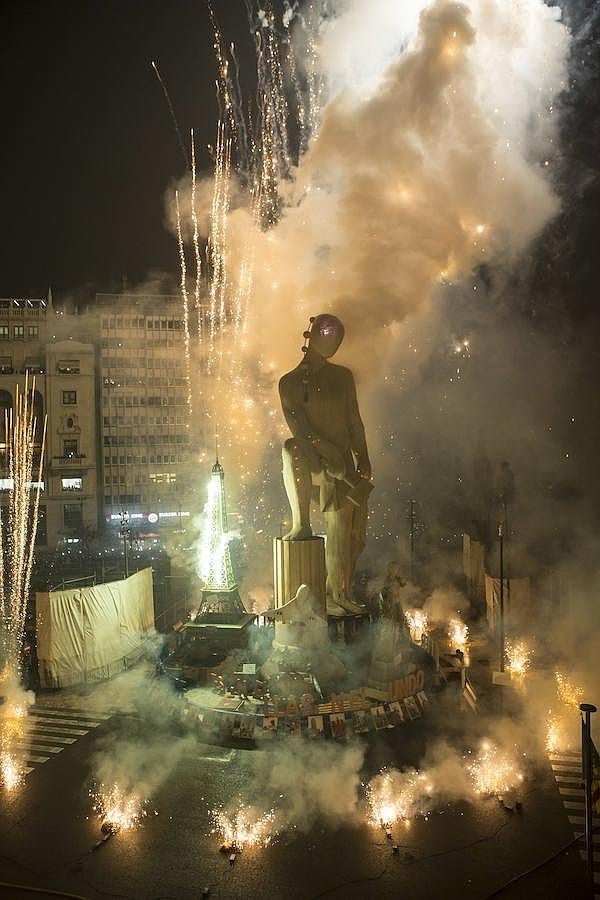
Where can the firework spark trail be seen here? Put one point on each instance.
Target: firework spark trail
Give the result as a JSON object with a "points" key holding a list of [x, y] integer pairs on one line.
{"points": [[569, 692], [196, 243], [313, 71], [301, 113], [228, 93], [172, 112], [20, 527], [186, 307], [217, 248]]}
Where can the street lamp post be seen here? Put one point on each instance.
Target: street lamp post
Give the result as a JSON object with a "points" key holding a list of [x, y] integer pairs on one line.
{"points": [[501, 539], [587, 759], [126, 535]]}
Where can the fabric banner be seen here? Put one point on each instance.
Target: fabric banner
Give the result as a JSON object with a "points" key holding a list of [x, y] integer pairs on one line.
{"points": [[336, 725], [91, 633]]}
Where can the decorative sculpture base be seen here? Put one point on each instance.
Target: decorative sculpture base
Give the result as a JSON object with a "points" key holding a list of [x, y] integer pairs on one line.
{"points": [[301, 638], [296, 563]]}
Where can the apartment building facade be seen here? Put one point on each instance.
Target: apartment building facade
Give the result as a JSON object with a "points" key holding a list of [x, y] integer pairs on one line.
{"points": [[35, 351]]}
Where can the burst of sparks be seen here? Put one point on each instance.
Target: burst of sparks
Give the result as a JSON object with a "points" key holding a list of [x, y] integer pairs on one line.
{"points": [[458, 634], [418, 624], [119, 810], [518, 658], [569, 692], [554, 734], [394, 796], [244, 827], [494, 771], [12, 770], [186, 306]]}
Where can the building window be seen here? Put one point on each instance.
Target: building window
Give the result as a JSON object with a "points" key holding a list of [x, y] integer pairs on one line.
{"points": [[68, 367], [69, 398], [6, 366], [73, 516], [4, 332], [18, 331], [70, 447], [163, 477], [71, 484], [33, 331]]}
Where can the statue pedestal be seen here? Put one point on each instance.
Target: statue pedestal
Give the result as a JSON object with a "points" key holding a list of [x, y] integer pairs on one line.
{"points": [[296, 563]]}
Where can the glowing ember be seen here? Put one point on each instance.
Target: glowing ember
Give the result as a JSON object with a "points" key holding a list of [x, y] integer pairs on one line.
{"points": [[569, 693], [417, 624], [244, 827], [115, 809], [518, 658], [395, 796], [494, 771], [458, 634]]}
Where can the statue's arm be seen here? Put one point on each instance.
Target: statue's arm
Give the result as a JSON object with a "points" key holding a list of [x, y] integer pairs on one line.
{"points": [[357, 431]]}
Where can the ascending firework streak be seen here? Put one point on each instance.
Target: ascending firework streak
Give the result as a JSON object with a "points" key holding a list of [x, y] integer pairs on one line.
{"points": [[18, 525], [217, 243], [196, 243], [186, 306]]}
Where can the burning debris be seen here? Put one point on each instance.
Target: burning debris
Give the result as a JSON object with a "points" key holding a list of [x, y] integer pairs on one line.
{"points": [[458, 634], [518, 658]]}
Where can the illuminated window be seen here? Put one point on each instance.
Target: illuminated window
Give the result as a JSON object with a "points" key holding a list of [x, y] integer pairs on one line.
{"points": [[70, 447], [33, 331], [18, 331], [163, 477], [71, 484], [4, 332], [68, 367], [73, 515]]}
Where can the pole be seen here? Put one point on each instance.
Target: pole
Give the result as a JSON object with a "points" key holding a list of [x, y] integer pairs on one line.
{"points": [[411, 517], [501, 539], [586, 758]]}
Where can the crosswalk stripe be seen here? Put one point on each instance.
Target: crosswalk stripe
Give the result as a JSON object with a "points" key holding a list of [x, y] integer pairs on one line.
{"points": [[580, 820], [50, 731], [571, 792], [47, 720], [564, 769], [573, 804], [74, 713], [57, 739], [566, 779], [57, 728], [595, 837], [595, 855], [34, 745]]}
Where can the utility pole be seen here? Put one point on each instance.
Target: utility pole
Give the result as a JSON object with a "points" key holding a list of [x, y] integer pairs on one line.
{"points": [[501, 539], [125, 534], [411, 518], [586, 757]]}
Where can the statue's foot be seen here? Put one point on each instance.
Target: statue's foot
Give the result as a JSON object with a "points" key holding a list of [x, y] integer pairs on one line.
{"points": [[342, 606], [300, 533]]}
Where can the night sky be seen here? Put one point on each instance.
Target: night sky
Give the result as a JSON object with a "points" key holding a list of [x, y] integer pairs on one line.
{"points": [[88, 146]]}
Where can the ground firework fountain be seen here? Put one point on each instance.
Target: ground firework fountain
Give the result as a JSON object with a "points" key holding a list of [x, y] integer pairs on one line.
{"points": [[23, 453]]}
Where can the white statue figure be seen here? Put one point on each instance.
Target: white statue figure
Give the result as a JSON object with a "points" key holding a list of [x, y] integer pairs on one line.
{"points": [[327, 456]]}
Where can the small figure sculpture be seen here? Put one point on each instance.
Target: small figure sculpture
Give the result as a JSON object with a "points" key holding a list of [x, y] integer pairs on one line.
{"points": [[327, 456]]}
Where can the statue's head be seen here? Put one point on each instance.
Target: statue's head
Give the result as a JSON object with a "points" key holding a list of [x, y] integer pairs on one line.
{"points": [[325, 335]]}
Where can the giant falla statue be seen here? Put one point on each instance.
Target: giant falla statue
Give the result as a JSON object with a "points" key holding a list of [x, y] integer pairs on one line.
{"points": [[326, 459]]}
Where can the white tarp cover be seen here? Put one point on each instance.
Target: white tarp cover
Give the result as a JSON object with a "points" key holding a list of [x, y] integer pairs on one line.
{"points": [[91, 633], [518, 609]]}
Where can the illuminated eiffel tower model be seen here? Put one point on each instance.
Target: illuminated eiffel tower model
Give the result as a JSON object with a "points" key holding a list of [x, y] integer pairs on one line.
{"points": [[220, 603]]}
